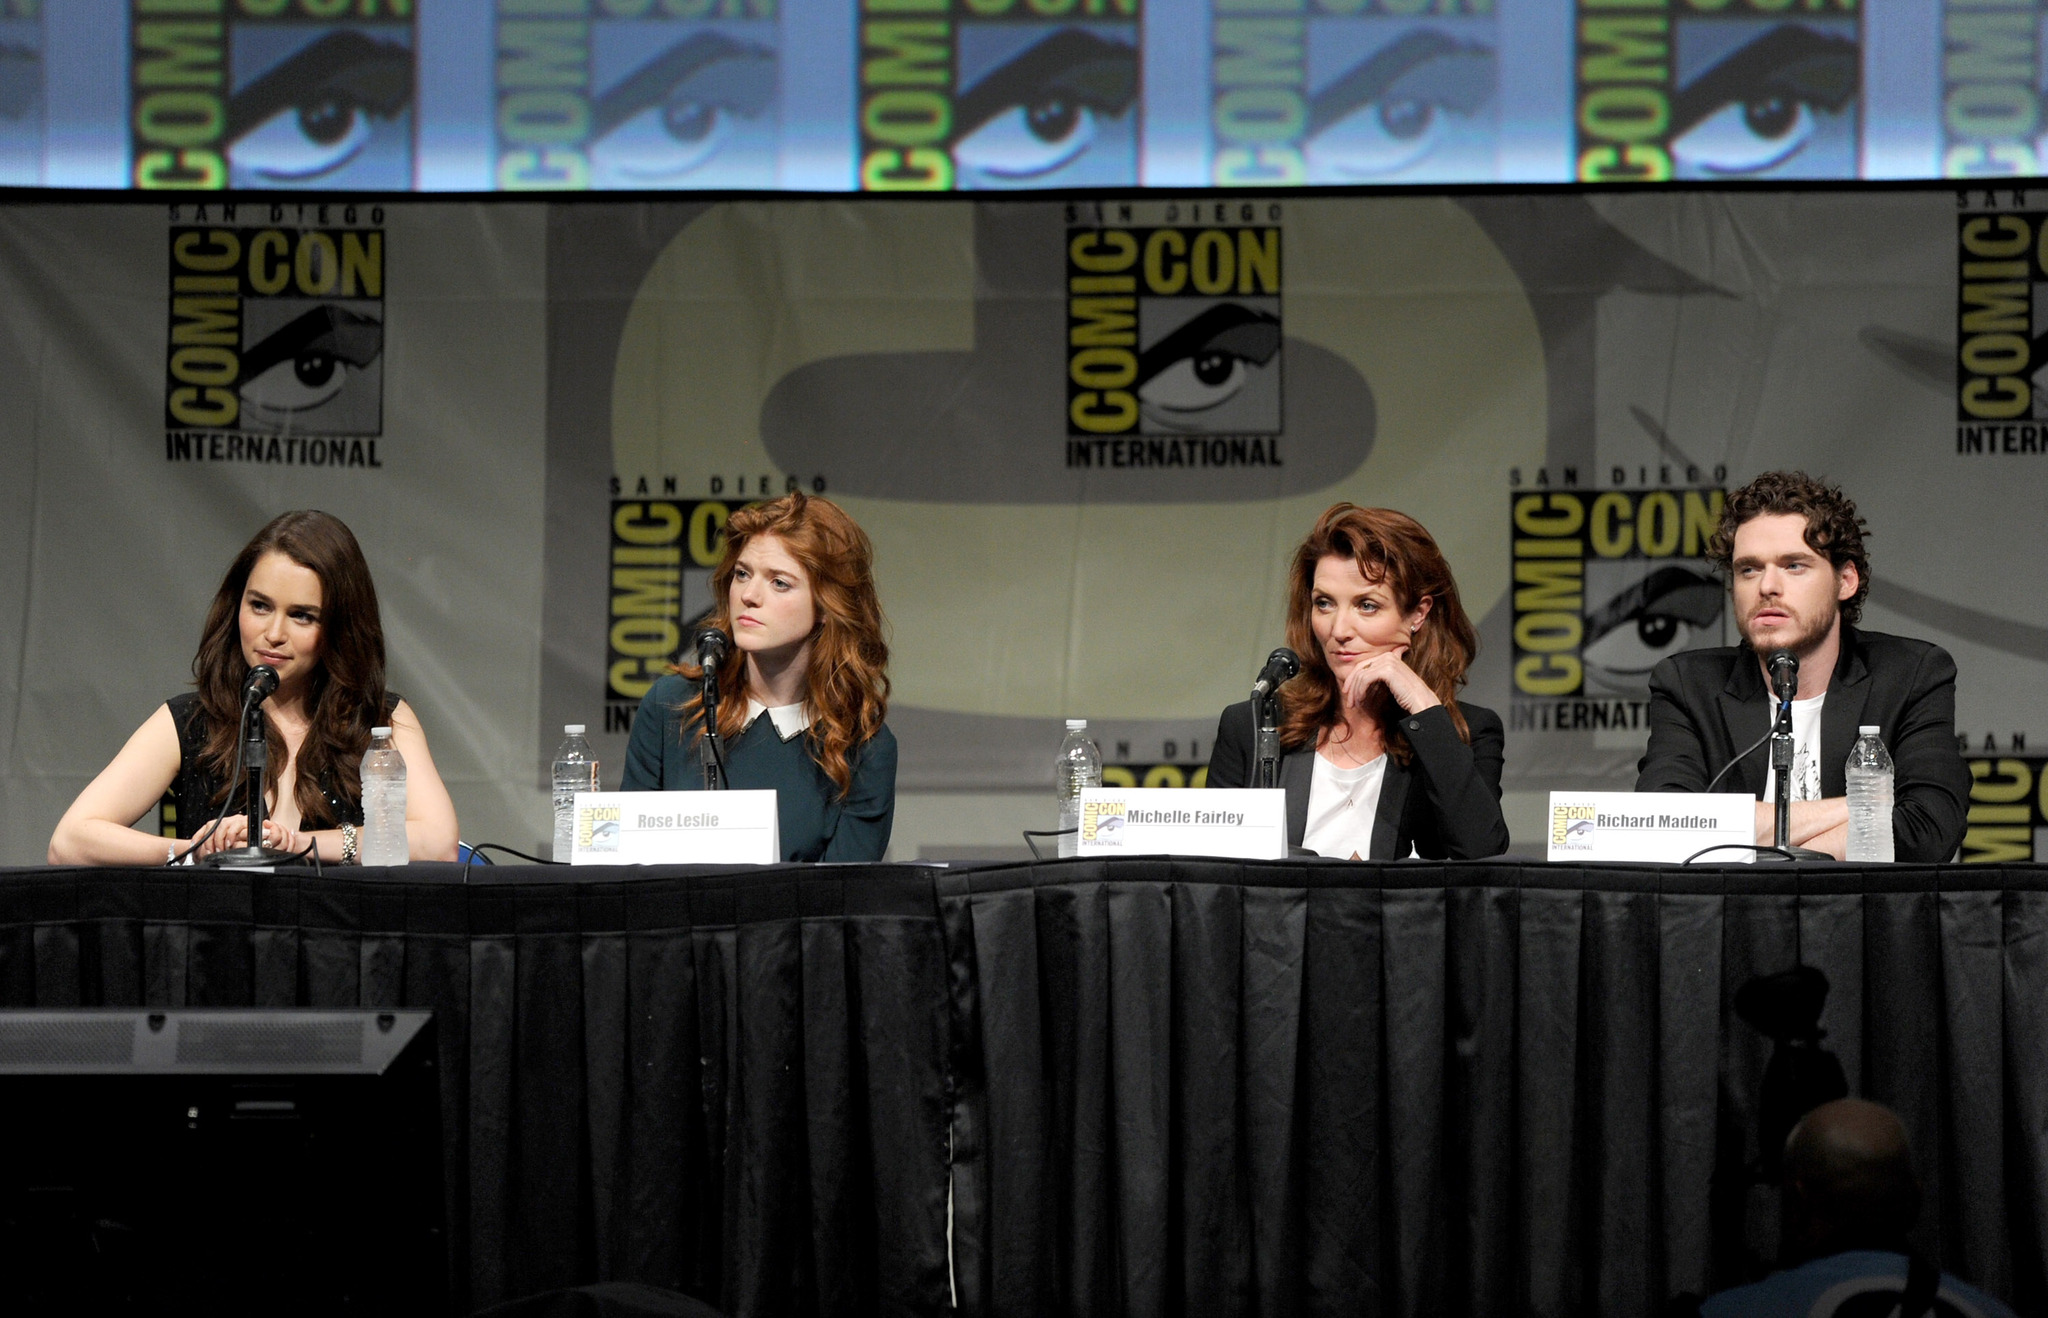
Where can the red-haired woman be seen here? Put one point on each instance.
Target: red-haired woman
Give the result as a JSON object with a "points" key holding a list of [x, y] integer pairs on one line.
{"points": [[298, 598], [1378, 757], [802, 714]]}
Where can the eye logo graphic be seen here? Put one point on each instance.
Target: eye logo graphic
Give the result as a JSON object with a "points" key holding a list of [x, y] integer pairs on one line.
{"points": [[1004, 97], [1737, 92], [276, 343], [254, 94], [1040, 107], [1173, 330], [1606, 585], [630, 99], [1353, 97]]}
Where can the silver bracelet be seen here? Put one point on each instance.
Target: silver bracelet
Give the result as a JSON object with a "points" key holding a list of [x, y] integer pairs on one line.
{"points": [[348, 844], [171, 854]]}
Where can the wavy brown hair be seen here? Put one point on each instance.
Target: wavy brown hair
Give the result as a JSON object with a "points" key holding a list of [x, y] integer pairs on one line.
{"points": [[346, 697], [1390, 547], [846, 685], [1833, 527]]}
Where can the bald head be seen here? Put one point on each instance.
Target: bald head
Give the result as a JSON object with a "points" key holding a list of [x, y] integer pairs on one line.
{"points": [[1849, 1180]]}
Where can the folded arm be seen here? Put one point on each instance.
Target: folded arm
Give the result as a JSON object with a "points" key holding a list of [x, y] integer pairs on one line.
{"points": [[1930, 782]]}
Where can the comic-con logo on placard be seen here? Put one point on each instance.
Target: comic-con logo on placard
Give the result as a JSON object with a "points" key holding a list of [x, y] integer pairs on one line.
{"points": [[1706, 89], [272, 94], [598, 827], [275, 351], [998, 94], [1606, 584], [1365, 91], [2001, 332], [1571, 827], [623, 94], [1102, 822], [2008, 816], [1173, 333]]}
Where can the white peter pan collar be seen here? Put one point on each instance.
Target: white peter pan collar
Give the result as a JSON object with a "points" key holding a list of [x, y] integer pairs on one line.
{"points": [[790, 720]]}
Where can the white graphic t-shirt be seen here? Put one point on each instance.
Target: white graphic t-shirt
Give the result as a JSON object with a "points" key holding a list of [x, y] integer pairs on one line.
{"points": [[1805, 752]]}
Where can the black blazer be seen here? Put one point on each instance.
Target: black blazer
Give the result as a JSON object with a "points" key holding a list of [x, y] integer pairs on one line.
{"points": [[1707, 705], [1445, 802]]}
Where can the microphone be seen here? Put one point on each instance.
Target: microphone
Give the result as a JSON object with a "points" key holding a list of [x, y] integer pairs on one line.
{"points": [[1282, 664], [714, 647], [257, 686], [1784, 666]]}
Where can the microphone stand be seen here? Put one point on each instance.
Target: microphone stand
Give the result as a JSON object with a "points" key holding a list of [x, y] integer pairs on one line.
{"points": [[710, 750], [1781, 770], [1266, 765], [256, 755]]}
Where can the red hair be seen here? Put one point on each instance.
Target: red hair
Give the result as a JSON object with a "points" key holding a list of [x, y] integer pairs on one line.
{"points": [[846, 686], [1390, 547]]}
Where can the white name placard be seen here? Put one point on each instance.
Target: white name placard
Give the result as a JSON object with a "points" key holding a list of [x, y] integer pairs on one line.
{"points": [[1245, 822], [1652, 826], [676, 828]]}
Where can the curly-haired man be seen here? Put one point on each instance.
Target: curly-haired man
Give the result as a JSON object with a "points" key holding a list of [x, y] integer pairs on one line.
{"points": [[1792, 548]]}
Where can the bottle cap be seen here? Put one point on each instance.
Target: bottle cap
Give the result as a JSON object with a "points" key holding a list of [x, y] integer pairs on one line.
{"points": [[380, 732], [1076, 724], [573, 729], [1866, 729]]}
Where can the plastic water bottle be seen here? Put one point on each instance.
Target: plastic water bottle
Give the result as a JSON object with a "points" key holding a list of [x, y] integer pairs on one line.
{"points": [[1870, 797], [575, 771], [1079, 765], [383, 773]]}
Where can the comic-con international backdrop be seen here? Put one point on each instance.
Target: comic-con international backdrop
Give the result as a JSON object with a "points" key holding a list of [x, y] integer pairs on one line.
{"points": [[892, 95], [1084, 437]]}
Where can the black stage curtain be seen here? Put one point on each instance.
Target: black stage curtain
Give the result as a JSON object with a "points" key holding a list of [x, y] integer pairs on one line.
{"points": [[1166, 1086], [702, 1080], [1204, 1087]]}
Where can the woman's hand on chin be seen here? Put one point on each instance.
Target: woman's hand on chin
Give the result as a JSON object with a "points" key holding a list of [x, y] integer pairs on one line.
{"points": [[1402, 682]]}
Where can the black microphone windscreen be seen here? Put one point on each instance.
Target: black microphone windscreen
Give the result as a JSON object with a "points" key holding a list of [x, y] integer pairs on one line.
{"points": [[1281, 665], [712, 645], [262, 680], [1784, 667]]}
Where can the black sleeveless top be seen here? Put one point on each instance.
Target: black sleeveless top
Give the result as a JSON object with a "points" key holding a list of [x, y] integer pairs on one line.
{"points": [[192, 791]]}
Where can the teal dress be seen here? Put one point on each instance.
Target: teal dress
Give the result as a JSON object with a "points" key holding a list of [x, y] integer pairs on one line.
{"points": [[816, 822]]}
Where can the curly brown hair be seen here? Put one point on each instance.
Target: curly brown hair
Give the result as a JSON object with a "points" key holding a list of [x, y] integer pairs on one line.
{"points": [[1833, 526], [846, 687], [1391, 547]]}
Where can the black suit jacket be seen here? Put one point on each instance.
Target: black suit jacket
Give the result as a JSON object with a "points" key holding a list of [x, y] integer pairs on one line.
{"points": [[1444, 803], [1707, 705]]}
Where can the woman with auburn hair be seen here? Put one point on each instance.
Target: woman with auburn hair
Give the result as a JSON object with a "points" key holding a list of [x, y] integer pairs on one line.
{"points": [[796, 592], [298, 598], [1378, 757]]}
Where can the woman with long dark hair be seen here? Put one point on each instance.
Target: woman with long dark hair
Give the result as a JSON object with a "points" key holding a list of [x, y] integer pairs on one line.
{"points": [[802, 712], [298, 598], [1379, 757]]}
